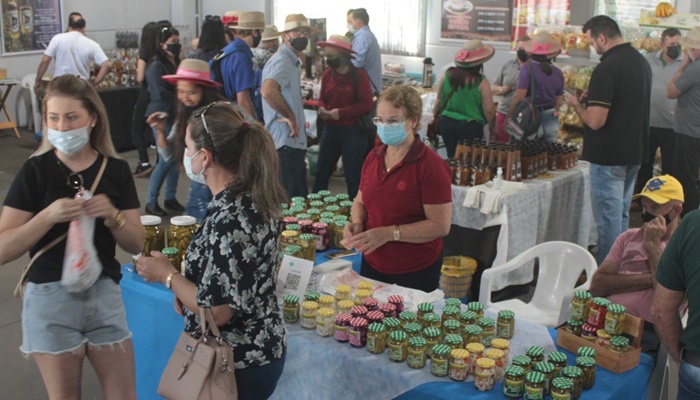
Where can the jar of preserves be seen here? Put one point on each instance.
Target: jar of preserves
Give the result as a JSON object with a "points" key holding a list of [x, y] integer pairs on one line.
{"points": [[299, 200], [392, 324], [417, 352], [452, 302], [484, 374], [342, 196], [536, 354], [370, 303], [454, 341], [290, 311], [365, 285], [561, 388], [339, 227], [407, 316], [292, 251], [423, 308], [342, 292], [325, 322], [534, 386], [306, 225], [345, 207], [574, 327], [296, 210], [342, 324], [398, 346], [547, 369], [345, 306], [307, 242], [575, 374], [615, 319], [468, 318], [324, 193], [330, 200], [313, 197], [589, 332], [597, 312], [358, 311], [505, 327], [587, 365], [327, 301], [558, 360], [357, 333], [293, 227], [412, 329], [333, 209], [173, 256], [586, 351], [304, 217], [289, 238], [439, 360], [488, 327], [476, 352], [315, 214], [451, 327], [388, 309], [361, 295], [514, 382], [603, 339], [472, 334], [287, 213], [286, 221], [320, 231], [375, 317], [498, 357], [619, 344], [315, 205], [376, 338], [155, 235], [312, 295], [309, 310], [327, 215], [450, 312], [459, 365], [580, 304], [431, 319], [396, 300], [523, 361], [432, 337], [477, 307]]}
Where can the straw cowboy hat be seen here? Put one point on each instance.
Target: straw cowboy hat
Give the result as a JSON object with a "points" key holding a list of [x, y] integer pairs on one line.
{"points": [[338, 42], [542, 44], [230, 18], [270, 33], [193, 70], [294, 21], [248, 20], [473, 53], [693, 39]]}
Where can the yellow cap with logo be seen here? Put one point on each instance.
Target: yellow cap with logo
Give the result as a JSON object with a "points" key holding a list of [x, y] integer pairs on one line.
{"points": [[661, 189]]}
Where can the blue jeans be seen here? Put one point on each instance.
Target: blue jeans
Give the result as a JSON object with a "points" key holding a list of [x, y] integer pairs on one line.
{"points": [[259, 383], [688, 382], [164, 171], [293, 171], [351, 143], [549, 127], [611, 194], [198, 200], [453, 131]]}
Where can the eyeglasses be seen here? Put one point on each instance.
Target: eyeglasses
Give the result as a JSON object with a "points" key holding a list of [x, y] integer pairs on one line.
{"points": [[300, 32], [212, 18], [390, 121]]}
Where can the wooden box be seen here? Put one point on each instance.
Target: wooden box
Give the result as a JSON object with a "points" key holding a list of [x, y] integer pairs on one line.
{"points": [[608, 359]]}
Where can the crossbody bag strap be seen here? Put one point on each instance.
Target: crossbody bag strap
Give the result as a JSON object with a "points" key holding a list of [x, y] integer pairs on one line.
{"points": [[19, 289], [532, 84], [444, 106]]}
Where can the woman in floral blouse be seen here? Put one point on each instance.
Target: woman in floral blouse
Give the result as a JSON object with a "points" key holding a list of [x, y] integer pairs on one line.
{"points": [[230, 263]]}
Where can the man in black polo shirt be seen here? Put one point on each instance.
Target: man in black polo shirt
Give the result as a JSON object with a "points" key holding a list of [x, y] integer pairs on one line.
{"points": [[617, 127]]}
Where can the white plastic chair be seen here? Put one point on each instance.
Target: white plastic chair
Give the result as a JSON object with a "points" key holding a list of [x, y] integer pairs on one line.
{"points": [[28, 83], [560, 265]]}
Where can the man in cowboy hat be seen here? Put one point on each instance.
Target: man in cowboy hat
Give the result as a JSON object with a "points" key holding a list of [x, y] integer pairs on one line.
{"points": [[283, 107], [365, 44], [234, 65], [616, 133], [685, 87]]}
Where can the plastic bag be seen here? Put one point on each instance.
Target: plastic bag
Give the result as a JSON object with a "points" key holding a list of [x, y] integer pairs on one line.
{"points": [[81, 267]]}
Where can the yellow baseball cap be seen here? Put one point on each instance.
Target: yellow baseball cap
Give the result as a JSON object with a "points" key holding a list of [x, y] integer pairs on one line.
{"points": [[661, 189]]}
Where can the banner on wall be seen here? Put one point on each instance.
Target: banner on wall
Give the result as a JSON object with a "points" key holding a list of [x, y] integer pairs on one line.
{"points": [[29, 25], [476, 19], [626, 12], [529, 14]]}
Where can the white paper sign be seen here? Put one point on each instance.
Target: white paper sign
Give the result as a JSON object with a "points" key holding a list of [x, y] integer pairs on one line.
{"points": [[294, 276], [311, 116]]}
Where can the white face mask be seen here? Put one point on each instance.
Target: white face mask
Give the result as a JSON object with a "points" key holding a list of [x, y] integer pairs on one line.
{"points": [[69, 142], [187, 162], [351, 29]]}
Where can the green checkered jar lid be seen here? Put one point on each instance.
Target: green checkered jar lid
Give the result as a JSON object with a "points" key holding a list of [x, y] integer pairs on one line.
{"points": [[346, 203], [323, 193], [544, 367], [506, 314], [453, 302], [299, 199], [582, 294], [535, 377], [451, 310], [417, 341], [293, 227], [562, 383], [473, 330], [342, 196], [398, 335], [376, 327], [425, 307], [616, 309], [284, 206], [327, 214], [291, 249], [407, 316], [296, 209], [453, 339], [430, 332], [468, 316], [307, 237], [601, 301], [391, 322], [312, 296], [170, 251], [314, 211], [475, 306], [620, 341], [303, 216], [441, 349], [340, 224], [431, 317], [334, 209], [575, 322], [486, 322], [291, 298], [340, 218], [585, 361], [557, 356], [586, 351], [571, 372], [328, 221], [330, 199], [522, 360], [288, 213], [412, 327], [314, 196], [534, 351], [515, 370], [316, 204], [451, 324]]}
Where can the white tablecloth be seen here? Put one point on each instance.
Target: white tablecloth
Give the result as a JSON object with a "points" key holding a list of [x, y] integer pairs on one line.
{"points": [[557, 208]]}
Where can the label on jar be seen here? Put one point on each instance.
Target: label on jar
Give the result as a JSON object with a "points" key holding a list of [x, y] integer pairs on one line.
{"points": [[612, 325], [341, 333], [487, 338], [438, 367], [355, 337], [593, 316], [483, 381], [319, 243], [504, 330], [416, 359], [308, 322], [561, 396], [375, 344], [291, 314], [324, 328], [458, 372], [534, 393], [513, 388], [395, 352], [577, 310]]}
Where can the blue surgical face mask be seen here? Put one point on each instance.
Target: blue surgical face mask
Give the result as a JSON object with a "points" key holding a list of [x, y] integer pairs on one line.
{"points": [[352, 29], [187, 162], [392, 135], [69, 142]]}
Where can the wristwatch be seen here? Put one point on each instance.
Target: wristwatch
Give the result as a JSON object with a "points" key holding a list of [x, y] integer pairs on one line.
{"points": [[169, 279], [397, 233]]}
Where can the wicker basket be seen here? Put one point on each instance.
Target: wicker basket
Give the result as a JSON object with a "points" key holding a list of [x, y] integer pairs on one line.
{"points": [[456, 275]]}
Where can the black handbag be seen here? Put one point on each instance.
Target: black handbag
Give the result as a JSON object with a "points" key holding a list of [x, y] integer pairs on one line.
{"points": [[364, 121]]}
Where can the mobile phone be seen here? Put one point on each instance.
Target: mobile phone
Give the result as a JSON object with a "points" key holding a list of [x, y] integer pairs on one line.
{"points": [[340, 254]]}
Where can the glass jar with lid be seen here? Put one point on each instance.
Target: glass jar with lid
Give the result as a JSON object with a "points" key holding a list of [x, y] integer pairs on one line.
{"points": [[558, 360], [476, 351], [358, 311], [505, 327], [287, 213], [504, 346], [580, 305], [484, 373], [376, 338], [547, 369], [561, 388], [586, 351], [452, 302], [431, 319], [459, 365], [331, 231], [173, 256], [598, 311], [392, 324], [345, 306], [535, 385], [388, 309], [417, 352], [315, 214], [338, 234], [423, 308], [330, 201], [488, 328], [313, 197], [412, 329], [180, 233], [320, 231], [575, 374], [574, 327], [589, 332], [312, 295], [299, 200], [514, 382], [439, 360], [396, 300], [619, 344], [342, 292], [603, 339], [309, 310], [398, 346], [342, 324], [307, 242], [155, 235], [342, 196], [375, 317], [450, 312], [472, 334], [454, 341], [451, 327], [406, 317], [296, 210], [468, 318], [341, 217], [587, 365], [345, 207], [498, 357], [432, 337], [293, 227], [370, 303], [615, 319], [327, 215], [477, 307], [291, 309], [523, 361], [536, 354], [325, 321], [357, 333], [332, 209], [327, 301], [289, 238], [315, 205], [324, 193]]}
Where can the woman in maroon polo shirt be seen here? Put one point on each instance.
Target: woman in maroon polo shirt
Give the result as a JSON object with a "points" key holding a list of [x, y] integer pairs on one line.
{"points": [[404, 206]]}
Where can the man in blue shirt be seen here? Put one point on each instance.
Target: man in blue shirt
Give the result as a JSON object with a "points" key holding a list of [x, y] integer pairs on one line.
{"points": [[283, 107], [236, 60], [369, 55]]}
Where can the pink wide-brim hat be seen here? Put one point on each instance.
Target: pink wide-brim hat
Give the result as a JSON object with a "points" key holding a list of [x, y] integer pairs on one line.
{"points": [[193, 70], [338, 42], [542, 44], [474, 52]]}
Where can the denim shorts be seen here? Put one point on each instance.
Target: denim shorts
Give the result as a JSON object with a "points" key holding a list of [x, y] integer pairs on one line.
{"points": [[55, 321]]}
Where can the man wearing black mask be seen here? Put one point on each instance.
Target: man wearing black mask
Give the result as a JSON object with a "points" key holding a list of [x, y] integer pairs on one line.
{"points": [[627, 276], [503, 85], [664, 64]]}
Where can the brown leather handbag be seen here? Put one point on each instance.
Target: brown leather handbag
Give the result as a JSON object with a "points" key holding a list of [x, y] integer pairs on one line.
{"points": [[201, 367]]}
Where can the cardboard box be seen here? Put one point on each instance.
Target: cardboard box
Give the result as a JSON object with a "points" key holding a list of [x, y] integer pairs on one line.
{"points": [[3, 73]]}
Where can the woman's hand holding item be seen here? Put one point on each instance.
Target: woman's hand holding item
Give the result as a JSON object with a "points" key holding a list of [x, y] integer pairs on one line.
{"points": [[155, 268]]}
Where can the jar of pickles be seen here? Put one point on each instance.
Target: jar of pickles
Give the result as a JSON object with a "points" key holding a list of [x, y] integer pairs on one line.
{"points": [[312, 295], [603, 339], [452, 302], [412, 329], [291, 310], [514, 382], [299, 200], [587, 365], [315, 214], [389, 310], [155, 236], [454, 341], [558, 360], [406, 317], [431, 319], [392, 324], [450, 312], [345, 306], [561, 389], [398, 346], [451, 327], [459, 365], [417, 352], [497, 356], [586, 351], [575, 374], [370, 303], [307, 242], [289, 238], [320, 231], [615, 319], [574, 327], [345, 207], [293, 227], [619, 344], [313, 197], [598, 311], [468, 318], [523, 361], [173, 256], [504, 346], [342, 196], [536, 354], [342, 292], [476, 352], [361, 295], [375, 317], [358, 311], [341, 217], [547, 369], [488, 327], [309, 310], [484, 373], [324, 193], [332, 209], [325, 322], [432, 337], [439, 360], [472, 334], [327, 215], [505, 327], [534, 386], [339, 226], [357, 333], [376, 338], [330, 200], [287, 213], [477, 307], [296, 210], [423, 308], [315, 205], [397, 301], [580, 305], [342, 324], [180, 233]]}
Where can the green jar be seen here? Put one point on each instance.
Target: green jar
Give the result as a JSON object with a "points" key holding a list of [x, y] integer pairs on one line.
{"points": [[587, 365], [392, 324], [615, 319], [450, 312], [342, 196], [575, 374], [376, 338], [313, 197], [340, 217], [312, 296], [413, 329], [327, 214], [536, 354], [574, 327], [535, 386], [468, 318], [454, 341], [333, 209], [580, 305], [619, 344], [406, 317], [417, 352], [431, 319], [452, 302], [432, 337], [345, 207], [547, 369], [561, 388], [291, 309], [523, 361], [423, 308], [586, 351], [316, 204], [398, 346], [505, 324], [439, 360], [477, 307], [514, 382], [451, 327], [296, 210], [558, 359], [472, 334], [330, 200], [488, 327]]}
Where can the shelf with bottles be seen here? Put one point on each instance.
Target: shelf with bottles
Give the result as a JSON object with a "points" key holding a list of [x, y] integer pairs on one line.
{"points": [[123, 73]]}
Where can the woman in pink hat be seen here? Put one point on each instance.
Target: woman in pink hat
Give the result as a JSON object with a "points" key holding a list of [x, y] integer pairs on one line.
{"points": [[346, 94], [464, 95], [549, 83]]}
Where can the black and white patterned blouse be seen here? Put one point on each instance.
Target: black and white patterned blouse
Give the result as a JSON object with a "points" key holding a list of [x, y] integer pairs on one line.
{"points": [[232, 259]]}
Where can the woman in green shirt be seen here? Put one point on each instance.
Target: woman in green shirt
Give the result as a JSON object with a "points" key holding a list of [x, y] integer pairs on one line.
{"points": [[464, 96]]}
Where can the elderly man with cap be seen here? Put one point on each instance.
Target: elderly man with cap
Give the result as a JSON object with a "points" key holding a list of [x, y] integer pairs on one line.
{"points": [[233, 66], [626, 276], [283, 106], [268, 46], [685, 87], [346, 94], [504, 86]]}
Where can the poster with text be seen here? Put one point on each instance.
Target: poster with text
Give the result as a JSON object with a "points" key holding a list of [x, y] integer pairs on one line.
{"points": [[476, 19], [626, 12], [530, 14], [29, 25]]}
